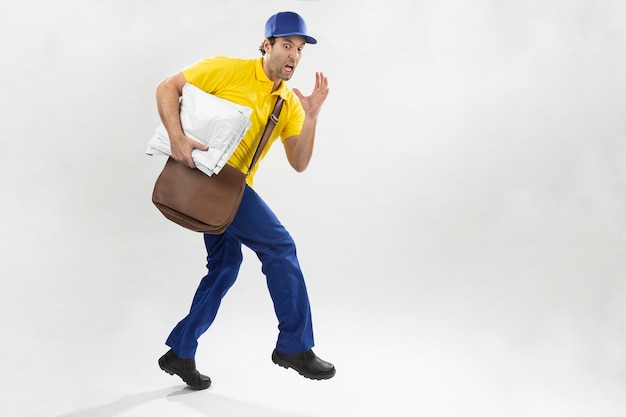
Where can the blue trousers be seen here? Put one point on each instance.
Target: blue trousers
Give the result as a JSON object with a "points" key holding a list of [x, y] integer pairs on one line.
{"points": [[257, 227]]}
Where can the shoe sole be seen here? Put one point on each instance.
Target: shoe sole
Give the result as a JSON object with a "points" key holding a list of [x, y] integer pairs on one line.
{"points": [[287, 365]]}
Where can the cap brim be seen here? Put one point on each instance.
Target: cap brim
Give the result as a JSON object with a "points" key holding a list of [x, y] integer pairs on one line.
{"points": [[307, 38]]}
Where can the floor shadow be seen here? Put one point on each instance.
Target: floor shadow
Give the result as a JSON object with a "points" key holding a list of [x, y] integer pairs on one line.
{"points": [[203, 402], [125, 403], [218, 405]]}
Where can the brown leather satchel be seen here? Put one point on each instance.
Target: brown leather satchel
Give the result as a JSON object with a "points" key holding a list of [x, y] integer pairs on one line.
{"points": [[203, 203]]}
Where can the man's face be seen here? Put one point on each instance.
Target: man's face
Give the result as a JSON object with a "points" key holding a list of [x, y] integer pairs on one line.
{"points": [[282, 58]]}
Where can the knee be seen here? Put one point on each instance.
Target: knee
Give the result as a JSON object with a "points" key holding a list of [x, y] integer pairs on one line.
{"points": [[284, 246], [225, 256]]}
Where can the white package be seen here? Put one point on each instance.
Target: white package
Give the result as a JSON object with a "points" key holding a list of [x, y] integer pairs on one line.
{"points": [[220, 124]]}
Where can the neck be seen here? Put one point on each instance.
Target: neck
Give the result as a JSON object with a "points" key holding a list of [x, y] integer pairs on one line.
{"points": [[275, 80]]}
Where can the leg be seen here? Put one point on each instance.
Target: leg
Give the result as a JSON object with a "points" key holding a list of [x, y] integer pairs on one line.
{"points": [[223, 261], [257, 227]]}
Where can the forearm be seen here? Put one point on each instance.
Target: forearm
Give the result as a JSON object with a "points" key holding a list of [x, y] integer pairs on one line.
{"points": [[168, 105], [300, 148]]}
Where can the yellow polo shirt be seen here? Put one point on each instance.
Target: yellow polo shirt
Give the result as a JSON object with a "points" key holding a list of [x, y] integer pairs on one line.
{"points": [[243, 81]]}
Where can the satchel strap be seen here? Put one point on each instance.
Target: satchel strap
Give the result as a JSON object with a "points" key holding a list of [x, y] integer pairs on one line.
{"points": [[269, 127]]}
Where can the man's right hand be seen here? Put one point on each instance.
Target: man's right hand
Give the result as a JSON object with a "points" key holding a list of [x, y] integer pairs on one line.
{"points": [[182, 146]]}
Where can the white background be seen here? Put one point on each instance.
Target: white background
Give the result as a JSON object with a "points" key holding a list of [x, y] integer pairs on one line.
{"points": [[462, 225]]}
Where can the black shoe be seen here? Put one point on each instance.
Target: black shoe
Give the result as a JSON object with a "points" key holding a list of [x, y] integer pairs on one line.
{"points": [[306, 363], [184, 368]]}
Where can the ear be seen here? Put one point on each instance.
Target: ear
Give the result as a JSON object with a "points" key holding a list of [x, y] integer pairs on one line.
{"points": [[267, 46]]}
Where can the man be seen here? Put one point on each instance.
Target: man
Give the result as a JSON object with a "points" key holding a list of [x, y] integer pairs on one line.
{"points": [[255, 83]]}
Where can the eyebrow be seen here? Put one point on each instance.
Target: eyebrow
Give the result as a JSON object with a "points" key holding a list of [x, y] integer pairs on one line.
{"points": [[292, 42]]}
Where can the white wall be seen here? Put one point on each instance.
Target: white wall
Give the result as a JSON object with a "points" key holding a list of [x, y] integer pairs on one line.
{"points": [[467, 195]]}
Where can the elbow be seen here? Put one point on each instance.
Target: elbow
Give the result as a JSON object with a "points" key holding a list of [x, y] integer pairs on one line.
{"points": [[299, 166], [163, 84], [161, 89], [170, 85], [298, 155]]}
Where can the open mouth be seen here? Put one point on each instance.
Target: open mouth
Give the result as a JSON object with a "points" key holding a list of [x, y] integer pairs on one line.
{"points": [[289, 68]]}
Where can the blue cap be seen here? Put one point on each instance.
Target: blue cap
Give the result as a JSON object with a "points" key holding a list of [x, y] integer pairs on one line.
{"points": [[287, 24]]}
